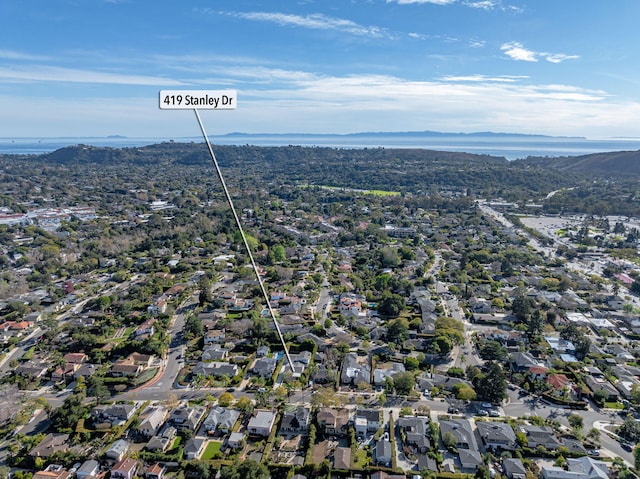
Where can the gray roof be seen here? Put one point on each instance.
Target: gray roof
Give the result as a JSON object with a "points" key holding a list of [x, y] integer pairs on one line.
{"points": [[462, 431]]}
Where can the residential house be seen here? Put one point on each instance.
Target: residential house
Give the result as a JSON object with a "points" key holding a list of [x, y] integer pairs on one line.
{"points": [[261, 423], [369, 421], [88, 470], [151, 420], [383, 452], [187, 417], [295, 422], [214, 353], [580, 468], [125, 368], [469, 459], [265, 367], [380, 375], [155, 471], [497, 435], [236, 440], [354, 373], [124, 469], [52, 443], [162, 442], [214, 336], [540, 436], [215, 369], [158, 307], [561, 384], [333, 422], [514, 468], [32, 369], [521, 362], [75, 358], [117, 450], [145, 329], [114, 413], [386, 475], [53, 471], [462, 432], [342, 458], [609, 392], [538, 373], [194, 448], [220, 419], [416, 432]]}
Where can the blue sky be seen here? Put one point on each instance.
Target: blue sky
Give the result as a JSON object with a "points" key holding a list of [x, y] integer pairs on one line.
{"points": [[95, 67]]}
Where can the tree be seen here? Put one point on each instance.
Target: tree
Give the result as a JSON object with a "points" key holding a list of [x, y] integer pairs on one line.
{"points": [[247, 469], [521, 307], [225, 399], [404, 383], [411, 363], [244, 404], [575, 421], [464, 392], [449, 440], [492, 386], [493, 351], [391, 304], [97, 388], [205, 286], [398, 331]]}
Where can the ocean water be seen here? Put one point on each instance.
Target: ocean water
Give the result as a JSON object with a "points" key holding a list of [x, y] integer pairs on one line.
{"points": [[509, 147]]}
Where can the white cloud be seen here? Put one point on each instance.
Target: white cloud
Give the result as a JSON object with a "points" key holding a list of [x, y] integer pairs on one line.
{"points": [[410, 2], [517, 51], [484, 78], [315, 21], [43, 73], [558, 57], [485, 4], [13, 55]]}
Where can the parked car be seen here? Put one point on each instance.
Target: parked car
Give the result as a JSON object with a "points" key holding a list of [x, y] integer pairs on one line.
{"points": [[482, 412], [487, 405], [494, 413]]}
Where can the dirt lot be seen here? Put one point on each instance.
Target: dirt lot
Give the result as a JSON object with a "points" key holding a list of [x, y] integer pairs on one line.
{"points": [[320, 452]]}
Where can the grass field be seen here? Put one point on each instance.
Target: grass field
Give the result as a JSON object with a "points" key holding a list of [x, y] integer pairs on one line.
{"points": [[211, 449]]}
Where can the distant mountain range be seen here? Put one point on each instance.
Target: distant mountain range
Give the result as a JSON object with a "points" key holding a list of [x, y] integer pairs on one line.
{"points": [[399, 134]]}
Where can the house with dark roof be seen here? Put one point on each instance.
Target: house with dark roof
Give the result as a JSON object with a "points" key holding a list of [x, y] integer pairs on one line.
{"points": [[295, 422], [264, 367], [540, 436], [514, 468], [354, 373], [497, 435], [462, 432], [194, 448], [220, 419], [52, 443], [187, 417], [383, 452], [469, 459], [416, 432]]}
